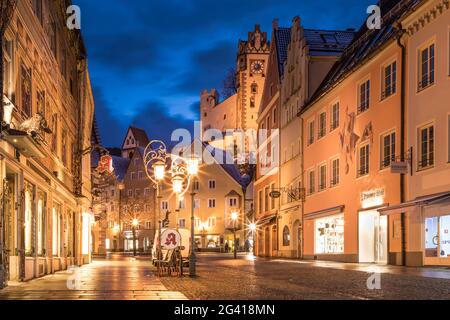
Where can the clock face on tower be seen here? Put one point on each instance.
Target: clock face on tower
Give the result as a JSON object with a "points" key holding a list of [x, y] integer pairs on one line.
{"points": [[257, 67]]}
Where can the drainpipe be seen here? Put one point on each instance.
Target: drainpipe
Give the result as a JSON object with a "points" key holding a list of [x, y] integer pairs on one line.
{"points": [[400, 33]]}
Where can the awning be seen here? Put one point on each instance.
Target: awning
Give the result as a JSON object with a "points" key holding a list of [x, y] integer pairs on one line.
{"points": [[325, 213], [420, 201], [266, 220]]}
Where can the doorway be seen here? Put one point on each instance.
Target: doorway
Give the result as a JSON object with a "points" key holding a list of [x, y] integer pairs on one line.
{"points": [[437, 240], [373, 237]]}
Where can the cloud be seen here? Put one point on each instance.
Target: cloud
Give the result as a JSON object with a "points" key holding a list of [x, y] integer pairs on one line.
{"points": [[208, 68], [158, 123], [111, 130]]}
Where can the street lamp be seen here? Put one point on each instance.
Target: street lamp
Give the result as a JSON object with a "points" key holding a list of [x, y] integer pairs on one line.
{"points": [[234, 218], [182, 169], [189, 170], [135, 224]]}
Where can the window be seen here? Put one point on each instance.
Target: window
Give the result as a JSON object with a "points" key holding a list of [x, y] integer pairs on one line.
{"points": [[311, 182], [275, 119], [272, 200], [196, 185], [389, 80], [212, 184], [54, 136], [165, 205], [181, 204], [335, 113], [113, 193], [197, 222], [322, 177], [196, 203], [364, 96], [148, 225], [130, 193], [233, 202], [8, 70], [40, 102], [133, 176], [55, 231], [254, 88], [426, 67], [212, 222], [335, 172], [363, 160], [41, 224], [266, 199], [182, 223], [64, 147], [147, 192], [286, 237], [329, 235], [141, 175], [211, 203], [37, 9], [311, 132], [137, 192], [426, 147], [388, 150], [260, 202], [26, 91], [322, 125], [29, 219]]}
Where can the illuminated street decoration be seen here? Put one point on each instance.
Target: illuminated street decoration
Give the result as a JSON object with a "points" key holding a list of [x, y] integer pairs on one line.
{"points": [[105, 165]]}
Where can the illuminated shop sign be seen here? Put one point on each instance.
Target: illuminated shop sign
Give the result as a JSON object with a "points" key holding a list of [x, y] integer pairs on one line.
{"points": [[372, 198], [105, 165]]}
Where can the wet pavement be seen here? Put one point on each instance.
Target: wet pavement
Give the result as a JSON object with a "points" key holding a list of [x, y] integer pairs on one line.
{"points": [[220, 277], [249, 278], [116, 278]]}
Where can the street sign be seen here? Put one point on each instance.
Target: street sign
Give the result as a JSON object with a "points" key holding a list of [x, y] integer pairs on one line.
{"points": [[275, 194], [399, 167], [170, 239]]}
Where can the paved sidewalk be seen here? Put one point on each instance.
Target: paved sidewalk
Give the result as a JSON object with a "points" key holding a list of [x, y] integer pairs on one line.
{"points": [[118, 278]]}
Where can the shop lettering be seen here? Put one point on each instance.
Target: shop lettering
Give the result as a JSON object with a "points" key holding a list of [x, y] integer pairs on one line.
{"points": [[372, 194]]}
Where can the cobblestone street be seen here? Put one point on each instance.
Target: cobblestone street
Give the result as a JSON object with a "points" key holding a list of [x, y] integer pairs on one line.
{"points": [[221, 277]]}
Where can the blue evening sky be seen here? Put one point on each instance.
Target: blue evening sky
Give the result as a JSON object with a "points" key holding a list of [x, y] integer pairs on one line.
{"points": [[150, 59]]}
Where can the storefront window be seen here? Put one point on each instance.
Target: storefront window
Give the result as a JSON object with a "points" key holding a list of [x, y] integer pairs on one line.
{"points": [[56, 223], [29, 249], [286, 237], [329, 235], [41, 224]]}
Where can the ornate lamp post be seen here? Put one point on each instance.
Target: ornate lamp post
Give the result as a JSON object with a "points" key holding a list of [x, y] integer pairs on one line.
{"points": [[182, 170]]}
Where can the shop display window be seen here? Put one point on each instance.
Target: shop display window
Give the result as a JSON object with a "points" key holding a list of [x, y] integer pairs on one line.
{"points": [[329, 235]]}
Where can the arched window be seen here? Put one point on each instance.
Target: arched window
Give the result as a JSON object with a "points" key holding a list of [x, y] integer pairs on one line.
{"points": [[286, 237], [254, 88]]}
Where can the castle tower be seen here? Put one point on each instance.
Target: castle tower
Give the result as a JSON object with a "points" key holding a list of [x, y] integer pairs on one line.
{"points": [[252, 59]]}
